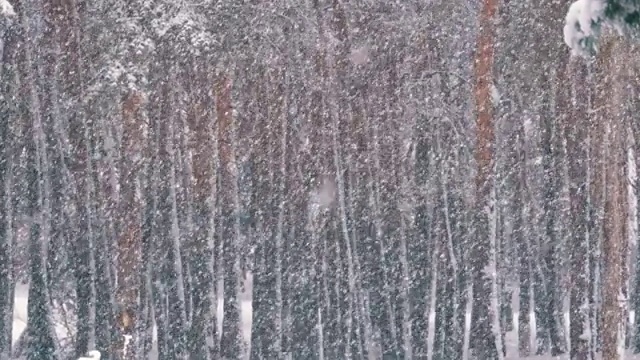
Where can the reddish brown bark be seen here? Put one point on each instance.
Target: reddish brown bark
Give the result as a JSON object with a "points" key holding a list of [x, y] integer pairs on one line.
{"points": [[483, 69], [482, 331], [223, 110], [614, 247], [576, 117]]}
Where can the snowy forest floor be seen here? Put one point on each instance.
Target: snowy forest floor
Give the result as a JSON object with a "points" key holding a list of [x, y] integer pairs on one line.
{"points": [[20, 323]]}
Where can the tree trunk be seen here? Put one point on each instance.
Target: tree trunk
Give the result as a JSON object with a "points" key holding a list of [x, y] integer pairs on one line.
{"points": [[231, 344], [266, 342], [42, 342], [577, 153], [635, 128], [615, 245], [67, 18], [171, 235], [9, 37], [129, 240], [546, 304], [522, 238], [201, 252], [485, 328]]}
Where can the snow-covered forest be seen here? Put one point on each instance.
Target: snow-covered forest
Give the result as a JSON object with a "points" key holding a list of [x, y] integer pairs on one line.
{"points": [[319, 179]]}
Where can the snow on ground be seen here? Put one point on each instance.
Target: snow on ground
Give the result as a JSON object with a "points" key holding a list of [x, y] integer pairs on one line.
{"points": [[20, 311], [20, 322], [20, 317]]}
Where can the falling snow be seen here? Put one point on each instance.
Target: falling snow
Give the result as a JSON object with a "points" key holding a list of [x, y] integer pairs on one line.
{"points": [[425, 180]]}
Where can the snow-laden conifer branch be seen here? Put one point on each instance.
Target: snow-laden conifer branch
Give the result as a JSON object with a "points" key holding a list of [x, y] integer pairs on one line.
{"points": [[6, 8], [585, 19]]}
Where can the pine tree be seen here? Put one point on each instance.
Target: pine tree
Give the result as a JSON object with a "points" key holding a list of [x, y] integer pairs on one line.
{"points": [[231, 344], [615, 246], [485, 324], [576, 135], [201, 251]]}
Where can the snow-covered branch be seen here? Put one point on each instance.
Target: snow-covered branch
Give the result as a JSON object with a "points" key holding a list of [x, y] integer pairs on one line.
{"points": [[585, 19], [6, 8]]}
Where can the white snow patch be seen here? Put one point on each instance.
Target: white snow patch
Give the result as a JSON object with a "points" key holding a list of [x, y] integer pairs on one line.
{"points": [[495, 95], [127, 341], [93, 355], [325, 195], [359, 56], [246, 311]]}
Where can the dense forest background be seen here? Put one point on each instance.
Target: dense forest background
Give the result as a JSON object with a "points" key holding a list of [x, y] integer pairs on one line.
{"points": [[377, 179]]}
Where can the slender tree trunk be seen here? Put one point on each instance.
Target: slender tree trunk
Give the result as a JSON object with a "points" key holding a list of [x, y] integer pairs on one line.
{"points": [[103, 177], [42, 342], [615, 245], [174, 270], [231, 343], [485, 327], [79, 163], [203, 321], [596, 174], [267, 312], [635, 128], [129, 240], [546, 309], [280, 344], [381, 300], [163, 270], [524, 254], [9, 36], [150, 200], [448, 297], [406, 199], [421, 248], [575, 132]]}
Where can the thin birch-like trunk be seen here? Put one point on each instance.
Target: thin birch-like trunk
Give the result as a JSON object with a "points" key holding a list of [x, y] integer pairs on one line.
{"points": [[177, 302], [184, 206], [405, 286], [279, 238], [635, 128], [335, 115], [524, 255], [265, 312], [388, 328]]}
